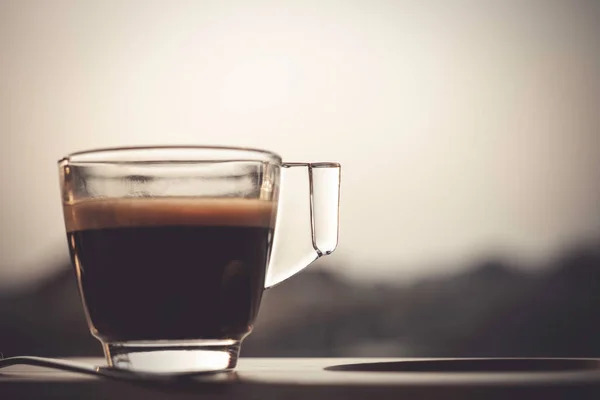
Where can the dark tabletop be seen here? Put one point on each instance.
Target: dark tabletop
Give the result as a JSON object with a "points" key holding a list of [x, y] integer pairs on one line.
{"points": [[317, 378]]}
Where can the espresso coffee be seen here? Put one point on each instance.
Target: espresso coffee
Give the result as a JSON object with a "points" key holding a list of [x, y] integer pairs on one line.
{"points": [[171, 268]]}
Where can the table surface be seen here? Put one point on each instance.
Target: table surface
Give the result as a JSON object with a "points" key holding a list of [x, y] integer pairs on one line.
{"points": [[277, 378]]}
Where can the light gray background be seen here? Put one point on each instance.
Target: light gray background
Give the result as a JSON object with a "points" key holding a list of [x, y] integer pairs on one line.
{"points": [[465, 128]]}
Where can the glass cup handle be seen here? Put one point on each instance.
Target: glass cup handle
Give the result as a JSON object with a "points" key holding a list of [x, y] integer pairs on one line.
{"points": [[307, 220]]}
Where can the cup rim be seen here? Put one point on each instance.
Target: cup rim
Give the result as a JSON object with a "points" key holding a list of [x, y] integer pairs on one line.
{"points": [[96, 155]]}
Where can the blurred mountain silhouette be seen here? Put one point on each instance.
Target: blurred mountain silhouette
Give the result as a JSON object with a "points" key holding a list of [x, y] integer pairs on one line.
{"points": [[491, 310]]}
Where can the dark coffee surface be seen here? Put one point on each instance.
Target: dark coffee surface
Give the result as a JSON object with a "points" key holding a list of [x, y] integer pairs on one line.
{"points": [[148, 281], [171, 282]]}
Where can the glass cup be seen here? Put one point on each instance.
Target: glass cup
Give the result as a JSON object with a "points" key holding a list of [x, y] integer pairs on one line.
{"points": [[173, 246]]}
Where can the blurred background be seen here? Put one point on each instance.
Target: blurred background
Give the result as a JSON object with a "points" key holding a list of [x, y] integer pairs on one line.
{"points": [[468, 131]]}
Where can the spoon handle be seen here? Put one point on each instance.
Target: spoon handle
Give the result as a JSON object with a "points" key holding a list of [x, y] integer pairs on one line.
{"points": [[78, 367], [109, 372], [62, 365]]}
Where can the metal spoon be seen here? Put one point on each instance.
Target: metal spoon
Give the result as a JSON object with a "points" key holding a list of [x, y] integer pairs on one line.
{"points": [[108, 372]]}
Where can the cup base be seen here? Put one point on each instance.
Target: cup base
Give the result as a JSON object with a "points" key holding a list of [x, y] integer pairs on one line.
{"points": [[173, 357]]}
